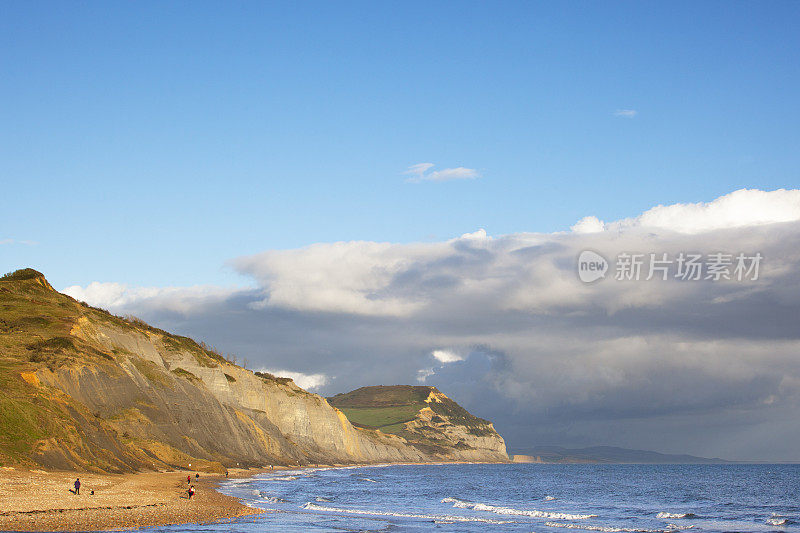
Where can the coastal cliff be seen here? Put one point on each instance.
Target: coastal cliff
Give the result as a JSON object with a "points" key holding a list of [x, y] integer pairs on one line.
{"points": [[82, 389], [426, 418]]}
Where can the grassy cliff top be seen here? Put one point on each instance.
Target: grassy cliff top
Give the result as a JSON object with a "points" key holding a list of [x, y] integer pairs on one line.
{"points": [[36, 316], [384, 396], [22, 274], [389, 407]]}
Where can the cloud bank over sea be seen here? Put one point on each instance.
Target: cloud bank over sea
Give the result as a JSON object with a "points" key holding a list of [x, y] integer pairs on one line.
{"points": [[504, 325]]}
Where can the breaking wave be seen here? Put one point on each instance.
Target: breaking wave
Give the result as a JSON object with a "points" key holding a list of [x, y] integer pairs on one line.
{"points": [[266, 497], [673, 516], [461, 504], [314, 507], [671, 528], [778, 521]]}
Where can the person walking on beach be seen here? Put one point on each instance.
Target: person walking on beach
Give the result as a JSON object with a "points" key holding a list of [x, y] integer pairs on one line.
{"points": [[196, 477], [78, 486], [191, 492], [188, 480]]}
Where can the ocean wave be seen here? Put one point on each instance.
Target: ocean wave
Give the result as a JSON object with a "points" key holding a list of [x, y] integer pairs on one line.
{"points": [[253, 505], [437, 518], [266, 497], [279, 478], [367, 479], [237, 481], [533, 513], [673, 516], [671, 528], [321, 499], [549, 498], [778, 521]]}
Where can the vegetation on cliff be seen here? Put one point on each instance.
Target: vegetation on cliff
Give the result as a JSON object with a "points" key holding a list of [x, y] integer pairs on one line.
{"points": [[422, 415]]}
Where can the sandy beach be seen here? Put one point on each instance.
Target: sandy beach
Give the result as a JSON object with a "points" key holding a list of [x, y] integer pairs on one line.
{"points": [[35, 500]]}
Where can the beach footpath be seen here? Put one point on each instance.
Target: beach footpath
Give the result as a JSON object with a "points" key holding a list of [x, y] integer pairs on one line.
{"points": [[35, 500]]}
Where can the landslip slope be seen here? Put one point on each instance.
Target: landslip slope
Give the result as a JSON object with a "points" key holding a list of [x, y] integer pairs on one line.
{"points": [[82, 389]]}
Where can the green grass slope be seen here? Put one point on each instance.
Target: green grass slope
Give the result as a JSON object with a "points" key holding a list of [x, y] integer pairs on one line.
{"points": [[385, 406], [382, 407]]}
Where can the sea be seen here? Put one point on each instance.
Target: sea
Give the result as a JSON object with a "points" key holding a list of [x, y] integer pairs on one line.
{"points": [[541, 498]]}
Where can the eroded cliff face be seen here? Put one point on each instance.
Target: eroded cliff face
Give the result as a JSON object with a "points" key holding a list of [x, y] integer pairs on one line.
{"points": [[119, 395], [473, 440], [166, 398]]}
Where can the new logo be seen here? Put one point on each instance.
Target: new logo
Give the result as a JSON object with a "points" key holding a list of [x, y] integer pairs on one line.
{"points": [[591, 266]]}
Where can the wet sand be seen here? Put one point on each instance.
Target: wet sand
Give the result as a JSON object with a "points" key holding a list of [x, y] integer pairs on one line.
{"points": [[41, 501]]}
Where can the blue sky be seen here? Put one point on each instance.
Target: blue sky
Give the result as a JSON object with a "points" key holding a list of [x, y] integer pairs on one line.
{"points": [[150, 142]]}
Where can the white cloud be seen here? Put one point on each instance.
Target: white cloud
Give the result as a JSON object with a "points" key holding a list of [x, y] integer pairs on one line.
{"points": [[420, 172], [476, 235], [626, 113], [443, 357], [523, 271], [590, 224], [304, 381], [424, 373], [745, 207], [102, 294], [419, 169], [15, 241], [447, 356], [118, 297], [342, 277]]}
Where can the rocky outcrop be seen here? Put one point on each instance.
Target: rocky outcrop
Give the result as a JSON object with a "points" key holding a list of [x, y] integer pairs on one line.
{"points": [[120, 395]]}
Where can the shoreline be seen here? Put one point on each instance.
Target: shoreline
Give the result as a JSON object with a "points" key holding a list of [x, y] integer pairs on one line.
{"points": [[41, 501]]}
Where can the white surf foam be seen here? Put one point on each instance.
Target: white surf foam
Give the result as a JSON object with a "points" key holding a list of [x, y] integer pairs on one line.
{"points": [[367, 479], [533, 513], [611, 529], [237, 481], [674, 516], [437, 518], [777, 521], [549, 498], [265, 497], [321, 499]]}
